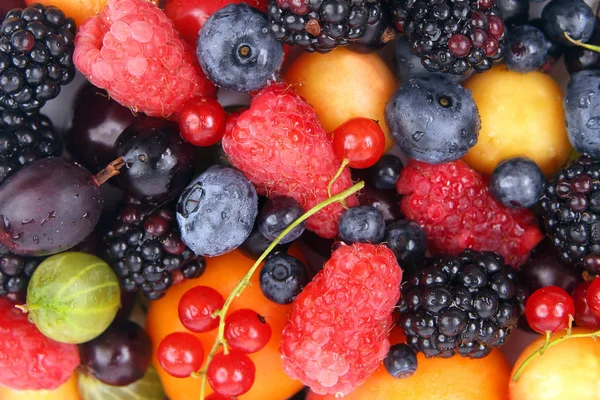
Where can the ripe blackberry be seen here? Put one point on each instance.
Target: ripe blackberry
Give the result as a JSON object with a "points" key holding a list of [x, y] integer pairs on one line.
{"points": [[322, 25], [452, 36], [146, 252], [571, 213], [24, 139], [15, 272], [36, 56], [465, 305]]}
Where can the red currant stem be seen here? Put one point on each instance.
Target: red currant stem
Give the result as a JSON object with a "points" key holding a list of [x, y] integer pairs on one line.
{"points": [[23, 307], [111, 170], [339, 172], [581, 44], [548, 345], [237, 291]]}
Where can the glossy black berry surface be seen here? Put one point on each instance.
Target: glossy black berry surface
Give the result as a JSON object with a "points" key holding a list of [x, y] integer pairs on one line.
{"points": [[408, 241], [276, 215], [364, 224]]}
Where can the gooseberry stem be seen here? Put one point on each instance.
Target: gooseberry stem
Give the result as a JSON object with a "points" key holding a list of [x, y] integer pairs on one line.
{"points": [[549, 344], [581, 44], [220, 341]]}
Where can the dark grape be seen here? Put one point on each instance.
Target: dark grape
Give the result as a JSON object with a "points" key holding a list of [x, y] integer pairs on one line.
{"points": [[97, 123], [544, 268], [120, 356], [160, 163], [48, 207]]}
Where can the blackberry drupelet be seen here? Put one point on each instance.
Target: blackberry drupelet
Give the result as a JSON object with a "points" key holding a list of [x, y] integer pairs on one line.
{"points": [[146, 252], [571, 213], [322, 25], [15, 272], [465, 305], [452, 36], [36, 56], [25, 138]]}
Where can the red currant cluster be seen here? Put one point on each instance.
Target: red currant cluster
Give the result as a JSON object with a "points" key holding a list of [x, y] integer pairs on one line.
{"points": [[552, 309], [231, 372]]}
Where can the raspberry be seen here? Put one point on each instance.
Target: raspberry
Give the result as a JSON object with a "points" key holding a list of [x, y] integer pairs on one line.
{"points": [[281, 147], [453, 205], [337, 332], [132, 50], [28, 359]]}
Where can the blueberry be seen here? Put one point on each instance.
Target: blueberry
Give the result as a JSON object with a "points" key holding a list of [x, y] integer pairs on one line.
{"points": [[408, 241], [517, 182], [276, 215], [527, 49], [236, 51], [433, 119], [408, 65], [581, 104], [572, 17], [282, 278], [363, 224], [400, 361], [385, 173], [513, 11], [216, 212]]}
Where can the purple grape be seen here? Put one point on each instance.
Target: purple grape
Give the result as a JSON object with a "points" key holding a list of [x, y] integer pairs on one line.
{"points": [[49, 206], [120, 356]]}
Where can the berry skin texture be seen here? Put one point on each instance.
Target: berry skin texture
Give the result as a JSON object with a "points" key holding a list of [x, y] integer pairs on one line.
{"points": [[246, 331], [133, 52], [401, 361], [584, 317], [197, 306], [517, 182], [281, 147], [276, 215], [385, 173], [30, 360], [433, 119], [580, 103], [408, 241], [236, 51], [282, 278], [549, 309], [180, 354], [361, 141], [452, 203], [593, 297], [231, 374], [527, 48], [202, 121], [362, 224], [337, 332], [216, 212], [571, 16]]}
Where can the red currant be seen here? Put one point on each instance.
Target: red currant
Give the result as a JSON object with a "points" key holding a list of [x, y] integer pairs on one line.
{"points": [[548, 309], [231, 374], [197, 306], [202, 121], [247, 331], [583, 315], [593, 297], [360, 140], [180, 354]]}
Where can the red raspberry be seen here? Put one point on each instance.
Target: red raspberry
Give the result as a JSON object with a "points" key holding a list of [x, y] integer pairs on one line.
{"points": [[281, 147], [337, 332], [28, 359], [132, 50], [452, 203]]}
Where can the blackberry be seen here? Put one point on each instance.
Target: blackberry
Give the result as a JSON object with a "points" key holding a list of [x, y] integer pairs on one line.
{"points": [[24, 139], [464, 305], [146, 252], [36, 56], [15, 272], [322, 25], [452, 36], [571, 213]]}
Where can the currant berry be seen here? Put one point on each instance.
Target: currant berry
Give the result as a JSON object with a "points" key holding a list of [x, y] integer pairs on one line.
{"points": [[593, 297], [180, 354], [549, 309], [197, 306], [231, 374], [583, 315], [247, 331], [360, 140], [202, 121]]}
